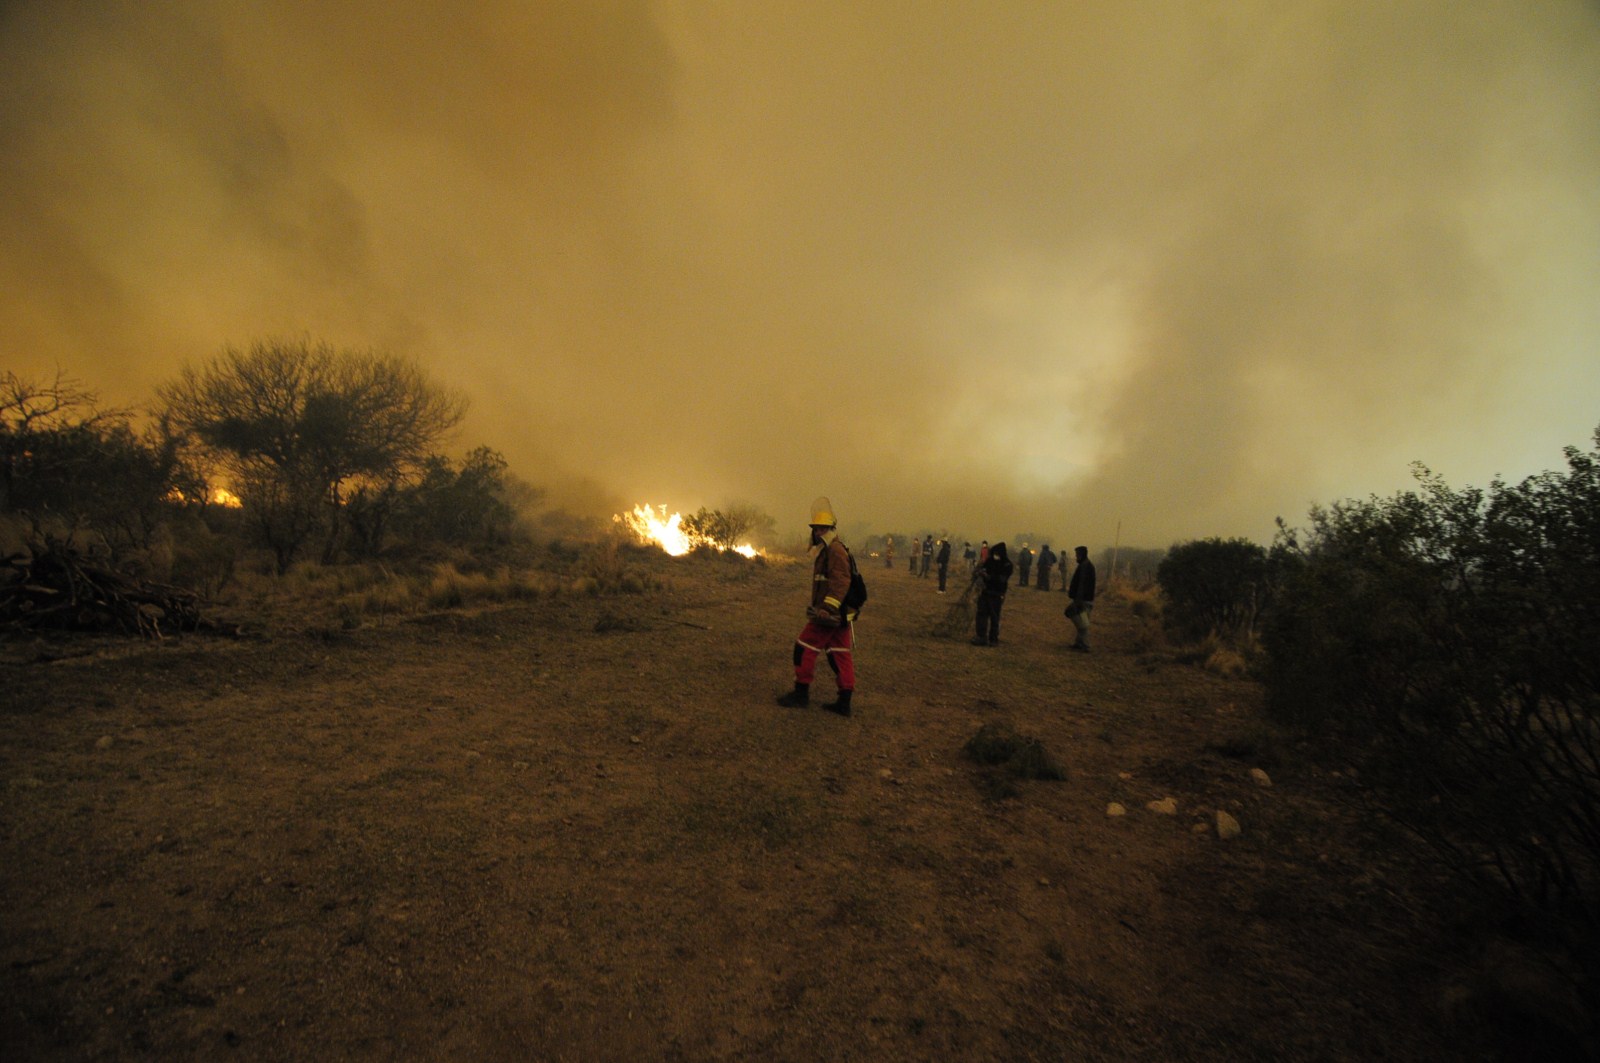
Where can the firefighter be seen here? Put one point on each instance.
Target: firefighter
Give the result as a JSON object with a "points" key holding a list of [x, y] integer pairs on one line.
{"points": [[829, 619]]}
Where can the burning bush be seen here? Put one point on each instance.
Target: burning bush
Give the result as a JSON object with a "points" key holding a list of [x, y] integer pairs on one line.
{"points": [[678, 535]]}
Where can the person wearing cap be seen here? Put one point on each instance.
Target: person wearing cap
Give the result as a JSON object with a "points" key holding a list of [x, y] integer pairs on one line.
{"points": [[829, 626]]}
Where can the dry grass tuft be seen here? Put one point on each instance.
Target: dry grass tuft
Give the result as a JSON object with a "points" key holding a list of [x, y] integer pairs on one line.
{"points": [[999, 745], [1218, 656]]}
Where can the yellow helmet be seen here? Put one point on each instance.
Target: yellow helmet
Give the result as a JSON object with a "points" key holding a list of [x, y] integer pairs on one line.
{"points": [[822, 514]]}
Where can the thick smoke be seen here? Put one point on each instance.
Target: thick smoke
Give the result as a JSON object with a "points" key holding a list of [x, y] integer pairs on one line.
{"points": [[997, 266]]}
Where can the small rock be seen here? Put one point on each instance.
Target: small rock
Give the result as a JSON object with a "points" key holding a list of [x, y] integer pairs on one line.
{"points": [[1114, 810], [1227, 826], [1124, 775], [885, 774], [1261, 778], [635, 739], [1044, 881], [1167, 806], [104, 742], [1200, 828]]}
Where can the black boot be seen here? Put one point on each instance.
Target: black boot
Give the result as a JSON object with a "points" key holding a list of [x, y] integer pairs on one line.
{"points": [[798, 698], [841, 705]]}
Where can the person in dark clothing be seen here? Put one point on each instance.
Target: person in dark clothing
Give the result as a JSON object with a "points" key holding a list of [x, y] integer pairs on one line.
{"points": [[927, 554], [1024, 565], [994, 574], [944, 562], [1082, 594], [1046, 560]]}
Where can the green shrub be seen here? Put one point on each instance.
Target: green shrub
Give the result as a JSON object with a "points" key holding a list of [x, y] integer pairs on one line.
{"points": [[1214, 586], [1447, 639]]}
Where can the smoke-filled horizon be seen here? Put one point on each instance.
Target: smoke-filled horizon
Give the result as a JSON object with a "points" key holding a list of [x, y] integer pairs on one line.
{"points": [[1180, 269]]}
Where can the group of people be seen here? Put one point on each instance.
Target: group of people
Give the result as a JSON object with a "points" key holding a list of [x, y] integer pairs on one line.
{"points": [[830, 618], [1046, 560], [995, 573], [929, 553]]}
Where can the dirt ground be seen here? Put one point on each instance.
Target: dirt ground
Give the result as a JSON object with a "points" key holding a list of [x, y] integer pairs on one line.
{"points": [[581, 829]]}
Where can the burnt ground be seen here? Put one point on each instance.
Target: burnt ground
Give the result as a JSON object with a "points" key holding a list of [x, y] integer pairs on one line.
{"points": [[581, 829]]}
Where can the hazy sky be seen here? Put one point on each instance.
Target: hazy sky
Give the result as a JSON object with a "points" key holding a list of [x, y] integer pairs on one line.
{"points": [[1048, 265]]}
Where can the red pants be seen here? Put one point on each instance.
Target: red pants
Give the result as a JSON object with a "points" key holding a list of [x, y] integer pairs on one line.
{"points": [[836, 642]]}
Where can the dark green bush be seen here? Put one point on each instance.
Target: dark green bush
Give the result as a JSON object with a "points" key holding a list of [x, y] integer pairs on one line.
{"points": [[465, 504], [1214, 586], [1447, 638]]}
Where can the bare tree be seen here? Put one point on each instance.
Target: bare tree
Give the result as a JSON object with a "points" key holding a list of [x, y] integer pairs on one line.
{"points": [[68, 463], [31, 414], [296, 423]]}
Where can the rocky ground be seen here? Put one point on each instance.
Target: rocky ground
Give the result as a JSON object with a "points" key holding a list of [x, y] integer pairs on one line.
{"points": [[581, 829]]}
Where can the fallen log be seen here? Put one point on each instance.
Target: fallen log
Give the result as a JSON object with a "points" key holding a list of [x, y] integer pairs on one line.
{"points": [[54, 586]]}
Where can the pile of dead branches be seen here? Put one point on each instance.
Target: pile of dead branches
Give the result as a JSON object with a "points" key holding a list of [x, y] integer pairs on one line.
{"points": [[52, 585]]}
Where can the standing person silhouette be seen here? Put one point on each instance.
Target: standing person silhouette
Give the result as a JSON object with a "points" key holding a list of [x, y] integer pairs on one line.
{"points": [[830, 619], [993, 576], [1082, 594]]}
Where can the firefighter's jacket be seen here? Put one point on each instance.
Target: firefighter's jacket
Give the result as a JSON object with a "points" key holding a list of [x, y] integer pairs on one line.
{"points": [[830, 577]]}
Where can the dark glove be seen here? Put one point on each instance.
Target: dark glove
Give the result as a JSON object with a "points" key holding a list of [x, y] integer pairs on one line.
{"points": [[822, 616]]}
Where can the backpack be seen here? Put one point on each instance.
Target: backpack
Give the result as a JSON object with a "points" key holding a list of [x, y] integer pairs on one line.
{"points": [[856, 596]]}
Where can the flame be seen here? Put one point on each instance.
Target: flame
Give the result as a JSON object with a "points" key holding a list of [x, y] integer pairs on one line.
{"points": [[220, 496], [668, 533]]}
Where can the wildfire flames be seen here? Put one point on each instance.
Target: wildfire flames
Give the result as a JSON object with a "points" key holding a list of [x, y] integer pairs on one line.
{"points": [[668, 532], [220, 496]]}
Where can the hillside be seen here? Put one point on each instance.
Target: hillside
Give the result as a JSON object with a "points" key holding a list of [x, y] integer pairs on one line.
{"points": [[581, 829]]}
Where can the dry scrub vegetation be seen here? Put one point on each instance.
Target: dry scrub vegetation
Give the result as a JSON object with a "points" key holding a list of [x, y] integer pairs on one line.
{"points": [[477, 812]]}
